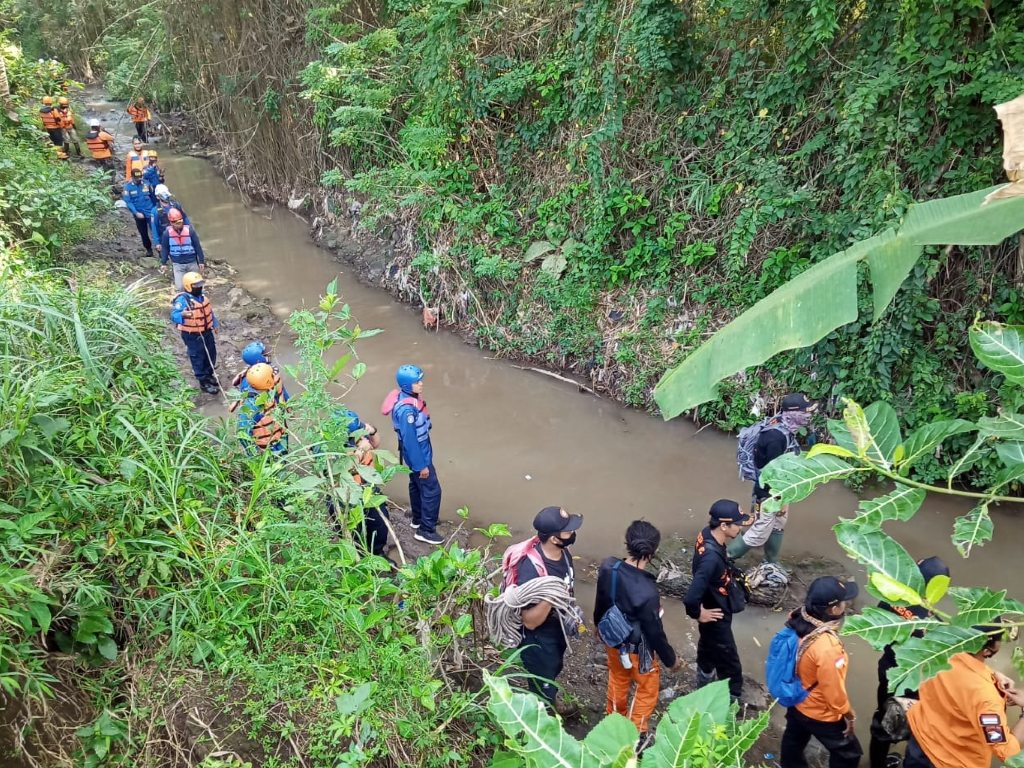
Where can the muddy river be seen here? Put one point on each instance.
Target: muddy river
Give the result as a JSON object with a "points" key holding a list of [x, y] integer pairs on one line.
{"points": [[508, 442]]}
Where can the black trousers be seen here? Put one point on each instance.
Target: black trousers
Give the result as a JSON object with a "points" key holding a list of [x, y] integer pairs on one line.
{"points": [[542, 654], [716, 650], [915, 756], [140, 129], [202, 353], [843, 751], [143, 226]]}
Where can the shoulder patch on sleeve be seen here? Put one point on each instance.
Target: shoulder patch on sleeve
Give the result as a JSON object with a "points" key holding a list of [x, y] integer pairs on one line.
{"points": [[994, 732], [411, 419]]}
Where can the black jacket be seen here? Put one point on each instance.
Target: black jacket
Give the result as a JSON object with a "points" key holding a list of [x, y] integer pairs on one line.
{"points": [[637, 596], [712, 581]]}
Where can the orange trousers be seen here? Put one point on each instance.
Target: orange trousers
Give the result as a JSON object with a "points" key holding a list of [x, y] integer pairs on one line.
{"points": [[620, 680]]}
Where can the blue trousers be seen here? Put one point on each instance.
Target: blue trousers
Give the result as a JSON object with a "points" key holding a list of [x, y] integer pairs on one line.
{"points": [[198, 345], [425, 500]]}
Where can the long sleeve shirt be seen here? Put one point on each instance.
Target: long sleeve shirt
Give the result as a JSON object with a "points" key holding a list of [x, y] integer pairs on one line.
{"points": [[636, 594], [136, 197], [709, 576], [160, 222], [165, 245], [824, 666], [181, 303], [417, 454]]}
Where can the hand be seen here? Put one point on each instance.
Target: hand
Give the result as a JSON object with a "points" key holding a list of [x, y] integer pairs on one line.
{"points": [[851, 721], [424, 473], [1004, 683], [140, 216], [707, 615], [157, 246], [163, 269], [676, 667]]}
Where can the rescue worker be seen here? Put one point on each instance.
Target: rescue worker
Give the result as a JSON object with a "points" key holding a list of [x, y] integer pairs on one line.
{"points": [[543, 646], [372, 535], [714, 596], [411, 421], [101, 145], [180, 245], [960, 720], [67, 124], [193, 315], [152, 174], [878, 749], [51, 120], [254, 353], [261, 419], [776, 437], [630, 586], [822, 665], [164, 203], [136, 158], [140, 115], [136, 197]]}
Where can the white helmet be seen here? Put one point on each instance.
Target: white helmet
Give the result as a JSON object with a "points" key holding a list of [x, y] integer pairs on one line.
{"points": [[94, 123], [162, 192]]}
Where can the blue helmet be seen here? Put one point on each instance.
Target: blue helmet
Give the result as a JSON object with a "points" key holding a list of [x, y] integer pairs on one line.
{"points": [[254, 352], [351, 419], [407, 376]]}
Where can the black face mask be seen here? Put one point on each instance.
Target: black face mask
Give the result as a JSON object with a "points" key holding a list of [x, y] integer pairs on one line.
{"points": [[197, 291], [563, 543]]}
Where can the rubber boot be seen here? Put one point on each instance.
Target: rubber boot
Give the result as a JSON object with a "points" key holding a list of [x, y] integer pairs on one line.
{"points": [[737, 548], [703, 678], [773, 547], [78, 149]]}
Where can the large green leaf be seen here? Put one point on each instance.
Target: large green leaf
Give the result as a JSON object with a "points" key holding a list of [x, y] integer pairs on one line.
{"points": [[794, 477], [1011, 453], [877, 551], [525, 720], [612, 741], [899, 504], [919, 658], [969, 458], [824, 297], [687, 728], [875, 431], [972, 530], [924, 441], [880, 627], [976, 605], [1000, 347], [1004, 426], [740, 741]]}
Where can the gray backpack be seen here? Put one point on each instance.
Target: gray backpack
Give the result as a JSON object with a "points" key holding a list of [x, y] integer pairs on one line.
{"points": [[748, 441]]}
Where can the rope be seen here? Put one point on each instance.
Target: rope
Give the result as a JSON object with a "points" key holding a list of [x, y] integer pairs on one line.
{"points": [[504, 612]]}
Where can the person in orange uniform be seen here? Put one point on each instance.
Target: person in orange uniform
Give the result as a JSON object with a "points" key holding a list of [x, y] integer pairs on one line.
{"points": [[628, 585], [260, 422], [50, 118], [140, 115], [960, 720], [67, 124], [822, 664], [101, 145], [135, 158]]}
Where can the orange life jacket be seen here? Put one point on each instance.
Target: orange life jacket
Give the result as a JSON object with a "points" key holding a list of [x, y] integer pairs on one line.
{"points": [[99, 141], [366, 459], [134, 160], [138, 114], [200, 315], [50, 118], [267, 431], [67, 117]]}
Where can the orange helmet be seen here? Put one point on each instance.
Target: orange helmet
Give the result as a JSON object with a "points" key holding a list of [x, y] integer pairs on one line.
{"points": [[260, 377], [174, 215], [47, 100], [63, 101]]}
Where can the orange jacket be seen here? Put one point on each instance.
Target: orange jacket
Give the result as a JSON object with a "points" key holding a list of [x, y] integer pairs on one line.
{"points": [[66, 117], [267, 431], [960, 720], [139, 114], [99, 143], [134, 160], [50, 117], [824, 665]]}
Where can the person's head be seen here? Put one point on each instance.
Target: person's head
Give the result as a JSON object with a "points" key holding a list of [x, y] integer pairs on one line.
{"points": [[137, 175], [137, 144], [47, 101], [63, 101], [140, 102], [642, 540], [556, 526], [410, 379], [193, 283], [997, 632], [162, 193], [931, 567], [828, 598], [152, 158], [352, 421], [94, 123], [177, 220], [255, 352], [260, 377], [726, 516], [796, 410]]}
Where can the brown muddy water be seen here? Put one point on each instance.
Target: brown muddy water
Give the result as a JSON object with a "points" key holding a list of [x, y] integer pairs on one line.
{"points": [[508, 442]]}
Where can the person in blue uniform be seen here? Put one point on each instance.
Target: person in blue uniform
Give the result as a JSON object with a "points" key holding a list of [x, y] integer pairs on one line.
{"points": [[137, 198]]}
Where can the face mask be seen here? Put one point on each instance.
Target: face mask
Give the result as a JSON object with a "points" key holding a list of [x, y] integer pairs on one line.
{"points": [[563, 543], [197, 291]]}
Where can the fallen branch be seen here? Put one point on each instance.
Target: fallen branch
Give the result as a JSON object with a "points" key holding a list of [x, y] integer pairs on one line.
{"points": [[558, 376]]}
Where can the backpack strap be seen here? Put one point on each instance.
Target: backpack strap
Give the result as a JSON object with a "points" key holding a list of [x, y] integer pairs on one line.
{"points": [[615, 579]]}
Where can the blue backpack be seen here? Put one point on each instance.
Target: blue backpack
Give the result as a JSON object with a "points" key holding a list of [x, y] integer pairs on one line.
{"points": [[780, 668]]}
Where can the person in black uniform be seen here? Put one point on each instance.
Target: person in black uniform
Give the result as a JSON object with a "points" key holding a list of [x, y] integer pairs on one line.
{"points": [[878, 750], [714, 596]]}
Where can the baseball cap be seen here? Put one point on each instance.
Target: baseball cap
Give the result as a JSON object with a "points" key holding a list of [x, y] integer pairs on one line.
{"points": [[728, 511], [828, 590], [797, 402], [136, 171], [552, 520]]}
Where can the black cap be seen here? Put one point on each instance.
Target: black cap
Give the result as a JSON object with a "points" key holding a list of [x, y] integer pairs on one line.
{"points": [[552, 520], [828, 590], [797, 402], [932, 567], [728, 511], [136, 171]]}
